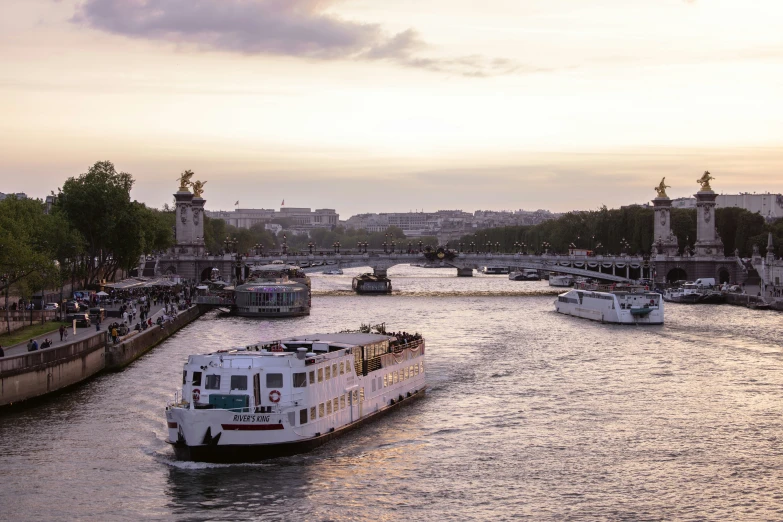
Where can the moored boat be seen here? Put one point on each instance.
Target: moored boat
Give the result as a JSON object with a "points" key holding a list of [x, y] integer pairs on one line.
{"points": [[291, 395], [333, 271], [494, 270], [525, 274], [274, 290], [621, 304], [561, 280]]}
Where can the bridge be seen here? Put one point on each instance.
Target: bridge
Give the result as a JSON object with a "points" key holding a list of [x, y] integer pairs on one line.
{"points": [[607, 268]]}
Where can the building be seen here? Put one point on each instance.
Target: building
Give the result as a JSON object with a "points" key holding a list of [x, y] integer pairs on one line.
{"points": [[300, 219], [19, 195]]}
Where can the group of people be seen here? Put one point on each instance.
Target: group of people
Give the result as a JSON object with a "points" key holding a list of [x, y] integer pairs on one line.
{"points": [[33, 345], [404, 338]]}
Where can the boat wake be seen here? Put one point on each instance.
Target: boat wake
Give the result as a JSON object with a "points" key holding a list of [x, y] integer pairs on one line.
{"points": [[472, 293]]}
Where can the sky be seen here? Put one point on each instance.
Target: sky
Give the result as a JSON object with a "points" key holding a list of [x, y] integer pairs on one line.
{"points": [[377, 106]]}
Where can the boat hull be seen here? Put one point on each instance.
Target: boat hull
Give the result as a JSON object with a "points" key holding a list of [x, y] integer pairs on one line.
{"points": [[240, 453]]}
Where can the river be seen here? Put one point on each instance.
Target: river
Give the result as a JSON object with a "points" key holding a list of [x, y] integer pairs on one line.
{"points": [[529, 415]]}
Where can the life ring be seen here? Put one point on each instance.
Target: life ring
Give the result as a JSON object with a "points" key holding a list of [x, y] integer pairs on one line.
{"points": [[196, 394], [274, 396]]}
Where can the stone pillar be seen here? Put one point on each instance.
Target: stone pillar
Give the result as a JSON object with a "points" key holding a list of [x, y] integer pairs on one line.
{"points": [[184, 220], [198, 225], [707, 241], [664, 242]]}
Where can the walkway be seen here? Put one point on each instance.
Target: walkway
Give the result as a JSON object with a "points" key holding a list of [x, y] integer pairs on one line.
{"points": [[81, 333]]}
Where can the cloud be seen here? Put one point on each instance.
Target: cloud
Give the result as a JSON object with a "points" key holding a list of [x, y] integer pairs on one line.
{"points": [[295, 28]]}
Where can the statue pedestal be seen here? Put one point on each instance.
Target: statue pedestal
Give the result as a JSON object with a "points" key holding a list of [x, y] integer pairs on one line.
{"points": [[708, 244]]}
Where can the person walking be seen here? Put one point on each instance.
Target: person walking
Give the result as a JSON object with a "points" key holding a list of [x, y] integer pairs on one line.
{"points": [[114, 335], [2, 353], [62, 331]]}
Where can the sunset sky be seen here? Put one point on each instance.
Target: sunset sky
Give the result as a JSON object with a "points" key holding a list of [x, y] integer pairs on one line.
{"points": [[368, 106]]}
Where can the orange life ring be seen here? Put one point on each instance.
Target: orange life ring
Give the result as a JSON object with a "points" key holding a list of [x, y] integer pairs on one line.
{"points": [[196, 394], [274, 396]]}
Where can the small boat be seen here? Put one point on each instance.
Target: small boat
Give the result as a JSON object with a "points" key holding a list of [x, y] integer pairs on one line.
{"points": [[371, 284], [620, 304], [526, 274], [494, 270], [333, 271], [561, 280], [289, 396]]}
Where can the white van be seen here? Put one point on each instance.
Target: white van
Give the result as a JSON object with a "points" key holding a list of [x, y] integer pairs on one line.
{"points": [[705, 281]]}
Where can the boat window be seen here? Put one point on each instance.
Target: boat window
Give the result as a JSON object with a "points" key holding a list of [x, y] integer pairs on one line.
{"points": [[328, 372], [312, 377], [335, 404], [312, 413], [320, 374], [300, 380], [274, 380], [361, 394], [385, 380], [321, 410], [185, 377], [342, 401], [355, 396], [334, 369], [328, 407], [303, 416], [342, 368], [373, 385], [379, 383], [196, 379], [239, 382], [213, 382], [257, 389]]}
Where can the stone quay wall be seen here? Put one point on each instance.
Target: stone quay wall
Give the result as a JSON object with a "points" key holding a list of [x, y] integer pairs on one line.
{"points": [[21, 318], [136, 344], [37, 373]]}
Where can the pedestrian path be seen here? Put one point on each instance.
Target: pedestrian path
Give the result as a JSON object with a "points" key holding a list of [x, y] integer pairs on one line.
{"points": [[81, 333]]}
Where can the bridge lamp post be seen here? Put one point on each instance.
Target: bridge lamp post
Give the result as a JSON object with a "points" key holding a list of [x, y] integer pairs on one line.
{"points": [[410, 247], [420, 246], [338, 247], [310, 246], [285, 244], [524, 247], [497, 246], [393, 246], [545, 246], [472, 246]]}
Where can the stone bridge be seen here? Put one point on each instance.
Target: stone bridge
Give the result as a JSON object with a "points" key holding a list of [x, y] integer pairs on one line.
{"points": [[607, 268]]}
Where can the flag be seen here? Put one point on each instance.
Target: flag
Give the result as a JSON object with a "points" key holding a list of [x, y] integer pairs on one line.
{"points": [[282, 204], [237, 203]]}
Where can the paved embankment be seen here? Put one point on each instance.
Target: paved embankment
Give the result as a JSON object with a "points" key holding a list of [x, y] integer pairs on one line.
{"points": [[136, 344], [34, 374]]}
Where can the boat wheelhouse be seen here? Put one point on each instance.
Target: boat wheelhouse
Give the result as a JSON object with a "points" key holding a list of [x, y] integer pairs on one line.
{"points": [[288, 396], [371, 284], [621, 304], [274, 290]]}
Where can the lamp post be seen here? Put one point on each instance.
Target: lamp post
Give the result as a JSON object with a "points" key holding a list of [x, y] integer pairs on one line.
{"points": [[472, 246], [310, 246], [420, 246], [338, 247], [461, 244], [497, 246], [393, 246], [285, 245], [545, 246], [410, 247]]}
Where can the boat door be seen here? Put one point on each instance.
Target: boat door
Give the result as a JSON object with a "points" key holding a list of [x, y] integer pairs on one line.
{"points": [[257, 390]]}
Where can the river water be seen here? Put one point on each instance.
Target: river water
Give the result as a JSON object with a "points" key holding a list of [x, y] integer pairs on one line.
{"points": [[530, 414]]}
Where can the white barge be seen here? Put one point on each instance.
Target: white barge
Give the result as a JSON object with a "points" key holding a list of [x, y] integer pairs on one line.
{"points": [[624, 304], [289, 396]]}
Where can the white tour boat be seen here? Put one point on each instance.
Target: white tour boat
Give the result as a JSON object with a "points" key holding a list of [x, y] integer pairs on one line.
{"points": [[622, 304], [561, 280], [525, 274], [494, 270], [289, 396], [333, 271]]}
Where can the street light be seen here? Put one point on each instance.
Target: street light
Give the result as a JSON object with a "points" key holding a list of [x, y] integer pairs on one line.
{"points": [[285, 244], [310, 245], [420, 246], [545, 246]]}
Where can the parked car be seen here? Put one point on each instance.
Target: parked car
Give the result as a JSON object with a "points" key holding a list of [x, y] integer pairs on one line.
{"points": [[72, 307], [82, 320], [97, 314], [51, 306]]}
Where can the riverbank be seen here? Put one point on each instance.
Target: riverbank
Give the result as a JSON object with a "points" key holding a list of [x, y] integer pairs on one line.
{"points": [[36, 374]]}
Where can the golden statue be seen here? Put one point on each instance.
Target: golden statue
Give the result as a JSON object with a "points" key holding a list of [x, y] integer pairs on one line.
{"points": [[198, 188], [184, 180], [661, 188], [705, 181]]}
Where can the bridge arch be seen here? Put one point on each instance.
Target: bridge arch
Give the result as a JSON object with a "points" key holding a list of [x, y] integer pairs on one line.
{"points": [[724, 275], [676, 274], [208, 272], [170, 270]]}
